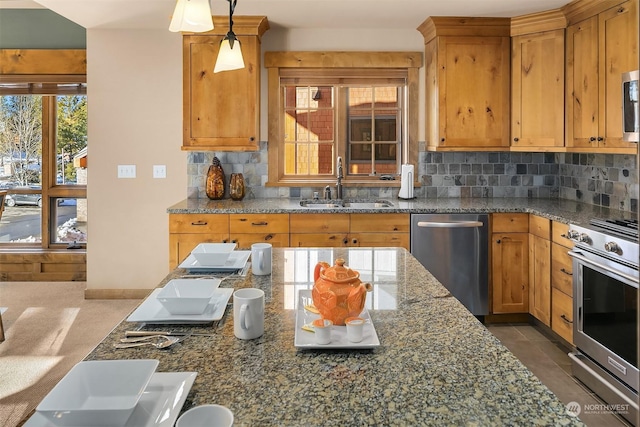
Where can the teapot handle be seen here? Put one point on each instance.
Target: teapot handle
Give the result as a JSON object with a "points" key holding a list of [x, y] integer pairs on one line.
{"points": [[319, 267]]}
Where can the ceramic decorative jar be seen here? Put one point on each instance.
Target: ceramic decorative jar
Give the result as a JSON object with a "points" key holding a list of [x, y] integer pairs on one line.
{"points": [[215, 180], [338, 292], [236, 186]]}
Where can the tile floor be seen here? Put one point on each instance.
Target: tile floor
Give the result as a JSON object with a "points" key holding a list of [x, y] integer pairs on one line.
{"points": [[547, 358]]}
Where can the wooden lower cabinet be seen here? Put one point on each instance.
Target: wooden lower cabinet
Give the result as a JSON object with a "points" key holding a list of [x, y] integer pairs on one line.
{"points": [[540, 268], [510, 272], [562, 314]]}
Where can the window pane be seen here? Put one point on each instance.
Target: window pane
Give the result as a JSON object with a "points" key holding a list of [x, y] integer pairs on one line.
{"points": [[70, 217], [71, 140], [21, 223]]}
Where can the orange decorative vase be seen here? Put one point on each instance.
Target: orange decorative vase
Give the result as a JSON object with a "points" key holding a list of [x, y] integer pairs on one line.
{"points": [[215, 180], [338, 292]]}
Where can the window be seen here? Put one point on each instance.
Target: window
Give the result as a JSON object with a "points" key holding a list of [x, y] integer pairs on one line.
{"points": [[359, 106], [43, 161]]}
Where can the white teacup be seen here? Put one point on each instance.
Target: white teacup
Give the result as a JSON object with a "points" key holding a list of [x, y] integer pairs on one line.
{"points": [[355, 327], [322, 331], [261, 259], [248, 313], [206, 416]]}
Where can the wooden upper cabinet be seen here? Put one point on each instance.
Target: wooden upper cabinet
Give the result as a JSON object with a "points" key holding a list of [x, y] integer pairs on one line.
{"points": [[221, 111], [537, 82], [599, 49], [467, 83]]}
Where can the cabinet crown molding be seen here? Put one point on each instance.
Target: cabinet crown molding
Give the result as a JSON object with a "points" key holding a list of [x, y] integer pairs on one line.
{"points": [[435, 26], [538, 22], [579, 10]]}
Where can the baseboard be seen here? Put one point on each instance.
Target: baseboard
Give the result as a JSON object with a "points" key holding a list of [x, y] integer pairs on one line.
{"points": [[116, 293], [507, 318]]}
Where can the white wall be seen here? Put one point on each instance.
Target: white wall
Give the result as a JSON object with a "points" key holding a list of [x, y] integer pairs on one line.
{"points": [[135, 117]]}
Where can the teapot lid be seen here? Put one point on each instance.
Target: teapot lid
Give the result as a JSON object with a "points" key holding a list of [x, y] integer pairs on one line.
{"points": [[339, 273]]}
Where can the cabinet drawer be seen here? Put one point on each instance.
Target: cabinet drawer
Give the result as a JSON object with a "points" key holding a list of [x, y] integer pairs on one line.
{"points": [[245, 240], [510, 222], [314, 223], [395, 240], [199, 223], [259, 223], [380, 223], [539, 226], [559, 232], [562, 315], [319, 240], [561, 269]]}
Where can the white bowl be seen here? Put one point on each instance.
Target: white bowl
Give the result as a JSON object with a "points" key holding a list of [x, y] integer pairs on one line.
{"points": [[187, 296], [98, 392], [213, 254], [206, 416]]}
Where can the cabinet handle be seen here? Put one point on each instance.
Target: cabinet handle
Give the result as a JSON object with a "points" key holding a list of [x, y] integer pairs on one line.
{"points": [[354, 241], [253, 138], [516, 139], [498, 241], [566, 272], [199, 223], [395, 228], [345, 240], [600, 138], [441, 139], [593, 138], [566, 319], [260, 223], [268, 237]]}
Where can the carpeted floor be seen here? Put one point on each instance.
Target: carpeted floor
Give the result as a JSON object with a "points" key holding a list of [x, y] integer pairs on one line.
{"points": [[49, 327]]}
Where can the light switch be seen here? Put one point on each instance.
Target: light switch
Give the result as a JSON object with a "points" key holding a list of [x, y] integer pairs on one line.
{"points": [[159, 171], [126, 171]]}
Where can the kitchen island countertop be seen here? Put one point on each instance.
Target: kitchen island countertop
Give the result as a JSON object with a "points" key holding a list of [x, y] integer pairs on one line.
{"points": [[436, 363], [565, 211]]}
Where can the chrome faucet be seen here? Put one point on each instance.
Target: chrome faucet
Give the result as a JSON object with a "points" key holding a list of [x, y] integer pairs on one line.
{"points": [[339, 179]]}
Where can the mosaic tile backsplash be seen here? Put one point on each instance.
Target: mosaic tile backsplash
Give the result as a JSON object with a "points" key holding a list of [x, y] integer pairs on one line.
{"points": [[609, 180]]}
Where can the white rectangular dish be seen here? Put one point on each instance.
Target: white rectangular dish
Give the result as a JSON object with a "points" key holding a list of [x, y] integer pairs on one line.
{"points": [[153, 312], [159, 406], [236, 262], [96, 390], [306, 339]]}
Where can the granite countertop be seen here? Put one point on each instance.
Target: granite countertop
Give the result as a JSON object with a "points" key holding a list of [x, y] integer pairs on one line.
{"points": [[436, 363], [565, 211]]}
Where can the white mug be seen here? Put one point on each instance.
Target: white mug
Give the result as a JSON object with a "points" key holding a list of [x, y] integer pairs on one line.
{"points": [[248, 313], [261, 259], [355, 327]]}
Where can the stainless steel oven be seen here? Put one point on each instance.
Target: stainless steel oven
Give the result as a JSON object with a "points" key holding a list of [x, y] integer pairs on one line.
{"points": [[605, 293]]}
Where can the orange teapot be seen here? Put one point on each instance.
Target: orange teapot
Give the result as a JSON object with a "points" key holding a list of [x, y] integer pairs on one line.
{"points": [[338, 292]]}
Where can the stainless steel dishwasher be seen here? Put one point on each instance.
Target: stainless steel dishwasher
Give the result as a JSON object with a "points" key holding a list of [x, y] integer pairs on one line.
{"points": [[454, 248]]}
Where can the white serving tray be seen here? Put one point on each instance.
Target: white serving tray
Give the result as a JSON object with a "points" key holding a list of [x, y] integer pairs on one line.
{"points": [[306, 339], [152, 311], [159, 405], [236, 262]]}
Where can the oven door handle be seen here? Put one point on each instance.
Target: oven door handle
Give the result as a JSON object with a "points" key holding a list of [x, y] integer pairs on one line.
{"points": [[582, 258]]}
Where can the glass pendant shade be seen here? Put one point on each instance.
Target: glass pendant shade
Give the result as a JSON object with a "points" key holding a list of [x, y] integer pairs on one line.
{"points": [[191, 15], [229, 58]]}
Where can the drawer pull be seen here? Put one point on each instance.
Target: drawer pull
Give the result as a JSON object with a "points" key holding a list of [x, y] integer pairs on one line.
{"points": [[268, 237], [199, 223], [262, 223], [568, 273], [566, 319]]}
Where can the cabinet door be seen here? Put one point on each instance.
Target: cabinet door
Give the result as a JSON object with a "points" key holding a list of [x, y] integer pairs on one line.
{"points": [[561, 269], [540, 278], [221, 111], [510, 272], [618, 29], [537, 90], [582, 84], [562, 315], [473, 92]]}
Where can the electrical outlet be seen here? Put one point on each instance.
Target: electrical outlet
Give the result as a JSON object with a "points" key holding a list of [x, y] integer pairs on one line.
{"points": [[159, 171], [126, 171]]}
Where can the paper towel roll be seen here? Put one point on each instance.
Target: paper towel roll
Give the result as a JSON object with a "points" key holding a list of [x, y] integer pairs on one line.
{"points": [[406, 182]]}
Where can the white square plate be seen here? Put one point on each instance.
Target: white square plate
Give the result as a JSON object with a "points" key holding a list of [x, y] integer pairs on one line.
{"points": [[236, 261], [306, 339], [213, 254], [159, 405], [187, 296], [152, 311]]}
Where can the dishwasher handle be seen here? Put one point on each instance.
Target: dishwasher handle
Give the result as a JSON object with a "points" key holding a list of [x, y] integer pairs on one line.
{"points": [[449, 224]]}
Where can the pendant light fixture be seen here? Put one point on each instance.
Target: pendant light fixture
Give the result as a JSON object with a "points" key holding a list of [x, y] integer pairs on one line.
{"points": [[191, 15], [230, 55]]}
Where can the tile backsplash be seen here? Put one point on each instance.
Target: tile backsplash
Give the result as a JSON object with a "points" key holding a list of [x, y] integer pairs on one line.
{"points": [[609, 180]]}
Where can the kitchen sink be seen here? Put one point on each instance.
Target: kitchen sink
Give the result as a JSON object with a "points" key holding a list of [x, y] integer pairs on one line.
{"points": [[352, 204]]}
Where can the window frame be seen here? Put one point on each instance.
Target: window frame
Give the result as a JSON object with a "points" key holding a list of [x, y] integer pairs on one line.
{"points": [[48, 73], [355, 66]]}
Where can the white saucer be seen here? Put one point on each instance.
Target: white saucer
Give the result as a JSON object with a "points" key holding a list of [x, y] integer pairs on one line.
{"points": [[236, 261], [152, 311], [159, 405]]}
